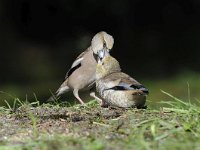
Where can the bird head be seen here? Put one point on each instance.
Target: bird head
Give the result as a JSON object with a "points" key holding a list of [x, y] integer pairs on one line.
{"points": [[106, 66], [102, 42]]}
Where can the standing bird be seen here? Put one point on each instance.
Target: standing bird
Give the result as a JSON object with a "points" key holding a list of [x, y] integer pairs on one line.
{"points": [[117, 88], [81, 75]]}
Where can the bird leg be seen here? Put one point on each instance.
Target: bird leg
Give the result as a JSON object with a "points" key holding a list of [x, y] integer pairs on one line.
{"points": [[75, 92], [102, 102]]}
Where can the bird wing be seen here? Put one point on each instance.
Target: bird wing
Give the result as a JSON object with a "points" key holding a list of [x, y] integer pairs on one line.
{"points": [[112, 83], [75, 65], [122, 81]]}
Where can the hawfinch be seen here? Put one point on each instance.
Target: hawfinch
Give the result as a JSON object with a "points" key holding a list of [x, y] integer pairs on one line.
{"points": [[115, 87], [81, 75]]}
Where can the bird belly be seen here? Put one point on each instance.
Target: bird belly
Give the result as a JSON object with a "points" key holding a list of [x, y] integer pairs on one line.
{"points": [[118, 98], [81, 81]]}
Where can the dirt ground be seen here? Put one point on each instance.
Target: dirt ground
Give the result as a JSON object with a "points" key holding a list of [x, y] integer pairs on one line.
{"points": [[27, 122], [59, 126]]}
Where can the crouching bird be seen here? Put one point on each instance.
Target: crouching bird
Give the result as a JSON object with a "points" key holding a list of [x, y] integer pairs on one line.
{"points": [[115, 87], [81, 75]]}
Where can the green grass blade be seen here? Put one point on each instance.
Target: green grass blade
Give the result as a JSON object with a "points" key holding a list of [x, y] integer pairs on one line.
{"points": [[175, 98]]}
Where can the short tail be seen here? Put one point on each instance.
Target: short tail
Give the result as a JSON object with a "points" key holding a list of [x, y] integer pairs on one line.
{"points": [[144, 90], [51, 99], [63, 89]]}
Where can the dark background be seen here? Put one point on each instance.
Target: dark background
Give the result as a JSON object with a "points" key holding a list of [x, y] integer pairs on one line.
{"points": [[39, 39]]}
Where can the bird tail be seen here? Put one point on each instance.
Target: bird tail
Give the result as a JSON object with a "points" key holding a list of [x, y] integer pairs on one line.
{"points": [[63, 89], [144, 90], [51, 99]]}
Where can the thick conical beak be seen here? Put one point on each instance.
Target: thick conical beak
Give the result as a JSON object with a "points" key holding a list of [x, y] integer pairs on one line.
{"points": [[102, 53]]}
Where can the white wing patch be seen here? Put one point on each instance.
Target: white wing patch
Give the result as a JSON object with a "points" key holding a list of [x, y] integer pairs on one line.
{"points": [[76, 62], [112, 84]]}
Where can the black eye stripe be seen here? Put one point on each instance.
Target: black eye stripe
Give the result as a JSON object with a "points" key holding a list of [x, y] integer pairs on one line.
{"points": [[95, 57]]}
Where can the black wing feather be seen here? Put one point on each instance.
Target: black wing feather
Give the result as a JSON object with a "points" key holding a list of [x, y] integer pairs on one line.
{"points": [[71, 70], [131, 87]]}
